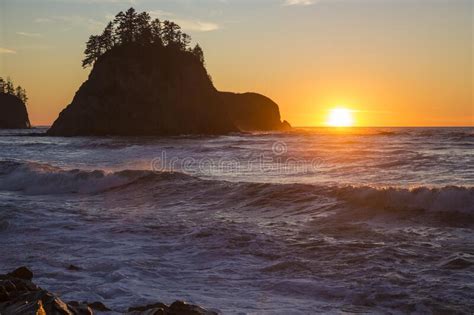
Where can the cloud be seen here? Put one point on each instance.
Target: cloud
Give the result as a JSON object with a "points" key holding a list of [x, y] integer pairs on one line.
{"points": [[7, 51], [160, 14], [107, 1], [187, 24], [29, 34], [99, 1], [73, 21], [198, 26], [298, 2], [43, 20]]}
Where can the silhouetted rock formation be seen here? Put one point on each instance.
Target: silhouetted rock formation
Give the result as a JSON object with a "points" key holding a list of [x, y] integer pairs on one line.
{"points": [[13, 113], [145, 90], [252, 111], [19, 296], [157, 90], [147, 80]]}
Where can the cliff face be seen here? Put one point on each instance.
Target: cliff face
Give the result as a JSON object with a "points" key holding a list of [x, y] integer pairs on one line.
{"points": [[13, 113], [252, 111], [145, 90]]}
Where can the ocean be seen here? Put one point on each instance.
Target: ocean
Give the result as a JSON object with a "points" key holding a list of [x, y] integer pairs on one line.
{"points": [[315, 220]]}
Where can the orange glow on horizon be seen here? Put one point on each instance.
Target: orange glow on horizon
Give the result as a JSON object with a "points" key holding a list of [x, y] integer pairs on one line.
{"points": [[373, 59]]}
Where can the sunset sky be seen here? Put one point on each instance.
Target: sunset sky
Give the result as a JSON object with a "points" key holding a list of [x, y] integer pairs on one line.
{"points": [[391, 62]]}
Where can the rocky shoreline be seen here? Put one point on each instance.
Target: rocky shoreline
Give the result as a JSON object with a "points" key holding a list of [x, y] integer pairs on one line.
{"points": [[20, 296]]}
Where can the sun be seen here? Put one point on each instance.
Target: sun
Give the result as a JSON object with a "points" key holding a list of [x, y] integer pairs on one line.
{"points": [[340, 117]]}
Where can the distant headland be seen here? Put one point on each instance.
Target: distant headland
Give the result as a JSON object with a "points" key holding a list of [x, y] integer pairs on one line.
{"points": [[147, 80], [13, 112]]}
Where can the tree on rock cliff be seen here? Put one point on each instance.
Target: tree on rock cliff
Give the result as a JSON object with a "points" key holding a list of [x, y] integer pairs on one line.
{"points": [[126, 25], [171, 33], [97, 45], [132, 27], [7, 87], [93, 50], [13, 112], [21, 94], [144, 33], [199, 53], [107, 39], [185, 41], [156, 31]]}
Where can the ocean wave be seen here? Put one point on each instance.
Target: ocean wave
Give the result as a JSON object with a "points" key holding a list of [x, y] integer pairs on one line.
{"points": [[391, 133], [444, 199], [461, 133], [37, 178]]}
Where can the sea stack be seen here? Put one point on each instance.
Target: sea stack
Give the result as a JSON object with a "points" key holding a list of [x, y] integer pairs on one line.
{"points": [[145, 90], [13, 113], [147, 80], [157, 90]]}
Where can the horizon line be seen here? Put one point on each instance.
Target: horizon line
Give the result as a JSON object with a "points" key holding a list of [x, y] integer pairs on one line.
{"points": [[331, 127]]}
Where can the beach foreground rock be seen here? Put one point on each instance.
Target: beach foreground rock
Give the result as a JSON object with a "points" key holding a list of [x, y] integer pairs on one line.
{"points": [[20, 296], [176, 308], [13, 113]]}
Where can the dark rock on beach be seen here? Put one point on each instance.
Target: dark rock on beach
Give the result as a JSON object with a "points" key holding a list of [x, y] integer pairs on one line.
{"points": [[177, 308], [20, 296], [13, 113], [73, 268], [21, 273], [98, 306]]}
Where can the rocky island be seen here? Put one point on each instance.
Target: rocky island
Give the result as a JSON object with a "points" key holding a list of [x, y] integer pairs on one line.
{"points": [[13, 113], [147, 80]]}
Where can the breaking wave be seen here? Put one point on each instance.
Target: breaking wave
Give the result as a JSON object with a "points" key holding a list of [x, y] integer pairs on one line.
{"points": [[445, 199], [37, 178]]}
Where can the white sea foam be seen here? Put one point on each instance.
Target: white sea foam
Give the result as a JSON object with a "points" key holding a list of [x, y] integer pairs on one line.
{"points": [[37, 178], [445, 199]]}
